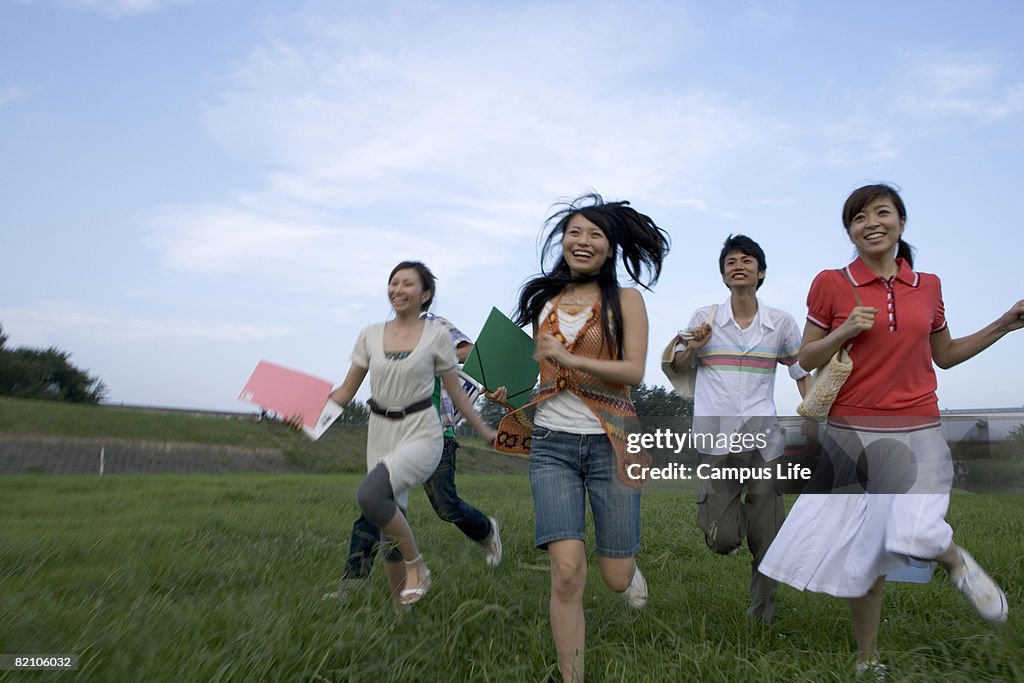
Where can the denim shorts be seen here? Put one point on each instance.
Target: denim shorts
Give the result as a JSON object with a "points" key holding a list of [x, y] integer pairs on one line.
{"points": [[563, 468]]}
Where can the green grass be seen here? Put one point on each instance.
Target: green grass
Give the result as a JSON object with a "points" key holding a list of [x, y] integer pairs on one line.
{"points": [[206, 578], [56, 418], [340, 450]]}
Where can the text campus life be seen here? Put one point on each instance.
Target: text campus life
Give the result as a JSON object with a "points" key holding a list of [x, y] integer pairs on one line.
{"points": [[666, 439]]}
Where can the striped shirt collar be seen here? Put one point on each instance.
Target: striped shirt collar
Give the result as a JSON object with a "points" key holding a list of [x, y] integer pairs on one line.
{"points": [[861, 273]]}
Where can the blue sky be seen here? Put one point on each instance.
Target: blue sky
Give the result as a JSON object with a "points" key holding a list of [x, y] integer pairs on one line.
{"points": [[187, 187]]}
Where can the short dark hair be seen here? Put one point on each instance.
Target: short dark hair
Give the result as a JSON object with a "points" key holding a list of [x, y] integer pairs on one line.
{"points": [[746, 246], [426, 278]]}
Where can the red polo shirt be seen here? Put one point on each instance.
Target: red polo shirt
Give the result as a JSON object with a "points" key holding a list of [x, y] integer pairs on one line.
{"points": [[892, 362]]}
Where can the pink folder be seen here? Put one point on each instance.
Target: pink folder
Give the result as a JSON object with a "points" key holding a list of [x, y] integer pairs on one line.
{"points": [[287, 392]]}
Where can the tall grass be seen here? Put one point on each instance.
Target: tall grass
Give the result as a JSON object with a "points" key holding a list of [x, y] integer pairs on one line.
{"points": [[220, 579]]}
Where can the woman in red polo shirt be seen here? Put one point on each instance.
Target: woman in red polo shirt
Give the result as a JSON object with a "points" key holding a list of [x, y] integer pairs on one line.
{"points": [[883, 438]]}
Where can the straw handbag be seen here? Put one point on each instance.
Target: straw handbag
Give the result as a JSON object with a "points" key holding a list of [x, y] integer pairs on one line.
{"points": [[829, 378], [683, 381]]}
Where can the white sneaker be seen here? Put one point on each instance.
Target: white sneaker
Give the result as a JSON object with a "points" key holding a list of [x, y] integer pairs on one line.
{"points": [[871, 671], [492, 545], [987, 597], [636, 593]]}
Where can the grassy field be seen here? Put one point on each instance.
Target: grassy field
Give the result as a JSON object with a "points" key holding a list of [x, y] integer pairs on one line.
{"points": [[219, 578], [340, 450], [55, 418]]}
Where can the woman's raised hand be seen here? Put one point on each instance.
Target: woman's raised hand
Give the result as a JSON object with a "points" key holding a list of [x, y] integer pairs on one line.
{"points": [[861, 319], [549, 348], [294, 422], [1013, 319]]}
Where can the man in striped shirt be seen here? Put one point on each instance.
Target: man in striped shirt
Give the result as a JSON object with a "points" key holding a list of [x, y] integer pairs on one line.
{"points": [[736, 354]]}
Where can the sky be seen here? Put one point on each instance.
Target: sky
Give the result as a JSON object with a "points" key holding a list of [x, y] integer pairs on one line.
{"points": [[190, 186]]}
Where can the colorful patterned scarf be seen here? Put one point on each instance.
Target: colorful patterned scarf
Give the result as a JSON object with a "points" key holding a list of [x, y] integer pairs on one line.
{"points": [[610, 402]]}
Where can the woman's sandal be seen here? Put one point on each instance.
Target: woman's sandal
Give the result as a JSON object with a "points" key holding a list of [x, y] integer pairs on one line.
{"points": [[410, 596]]}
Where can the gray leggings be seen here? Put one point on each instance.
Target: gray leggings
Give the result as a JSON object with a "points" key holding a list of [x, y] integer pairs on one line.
{"points": [[375, 496], [376, 499]]}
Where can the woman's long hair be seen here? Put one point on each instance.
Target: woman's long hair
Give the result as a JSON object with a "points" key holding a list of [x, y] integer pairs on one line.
{"points": [[641, 244]]}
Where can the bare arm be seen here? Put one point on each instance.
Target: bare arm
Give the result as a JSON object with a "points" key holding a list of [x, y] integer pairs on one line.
{"points": [[465, 406], [947, 352], [630, 369], [803, 384], [349, 386]]}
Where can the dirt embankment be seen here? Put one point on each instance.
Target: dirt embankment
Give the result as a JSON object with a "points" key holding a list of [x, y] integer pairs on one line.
{"points": [[76, 455]]}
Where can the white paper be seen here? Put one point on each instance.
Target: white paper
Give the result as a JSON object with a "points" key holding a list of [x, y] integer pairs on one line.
{"points": [[327, 417]]}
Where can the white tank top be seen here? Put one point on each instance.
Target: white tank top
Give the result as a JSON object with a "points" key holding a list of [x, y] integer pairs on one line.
{"points": [[565, 411]]}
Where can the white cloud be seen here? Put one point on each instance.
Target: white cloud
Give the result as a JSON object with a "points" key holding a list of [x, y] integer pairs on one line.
{"points": [[934, 84], [403, 136], [45, 322], [460, 134], [297, 255], [927, 94]]}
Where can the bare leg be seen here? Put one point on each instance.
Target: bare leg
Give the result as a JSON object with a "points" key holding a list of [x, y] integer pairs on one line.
{"points": [[617, 572], [867, 615], [398, 532], [951, 561], [396, 578], [568, 579]]}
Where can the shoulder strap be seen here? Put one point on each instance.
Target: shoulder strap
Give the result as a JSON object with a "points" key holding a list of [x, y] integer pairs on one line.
{"points": [[856, 295]]}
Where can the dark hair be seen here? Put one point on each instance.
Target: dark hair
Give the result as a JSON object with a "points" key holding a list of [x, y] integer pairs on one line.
{"points": [[747, 247], [641, 244], [427, 279], [863, 196]]}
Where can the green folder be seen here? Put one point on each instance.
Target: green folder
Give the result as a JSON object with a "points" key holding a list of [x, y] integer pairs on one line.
{"points": [[503, 357]]}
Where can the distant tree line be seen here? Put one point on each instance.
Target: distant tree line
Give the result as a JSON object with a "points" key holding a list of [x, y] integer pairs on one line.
{"points": [[655, 401], [356, 414], [45, 374]]}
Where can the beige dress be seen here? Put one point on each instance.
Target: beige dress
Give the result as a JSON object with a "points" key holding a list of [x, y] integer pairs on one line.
{"points": [[410, 448]]}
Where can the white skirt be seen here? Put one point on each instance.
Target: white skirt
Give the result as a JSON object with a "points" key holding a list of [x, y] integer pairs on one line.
{"points": [[410, 448], [840, 543]]}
